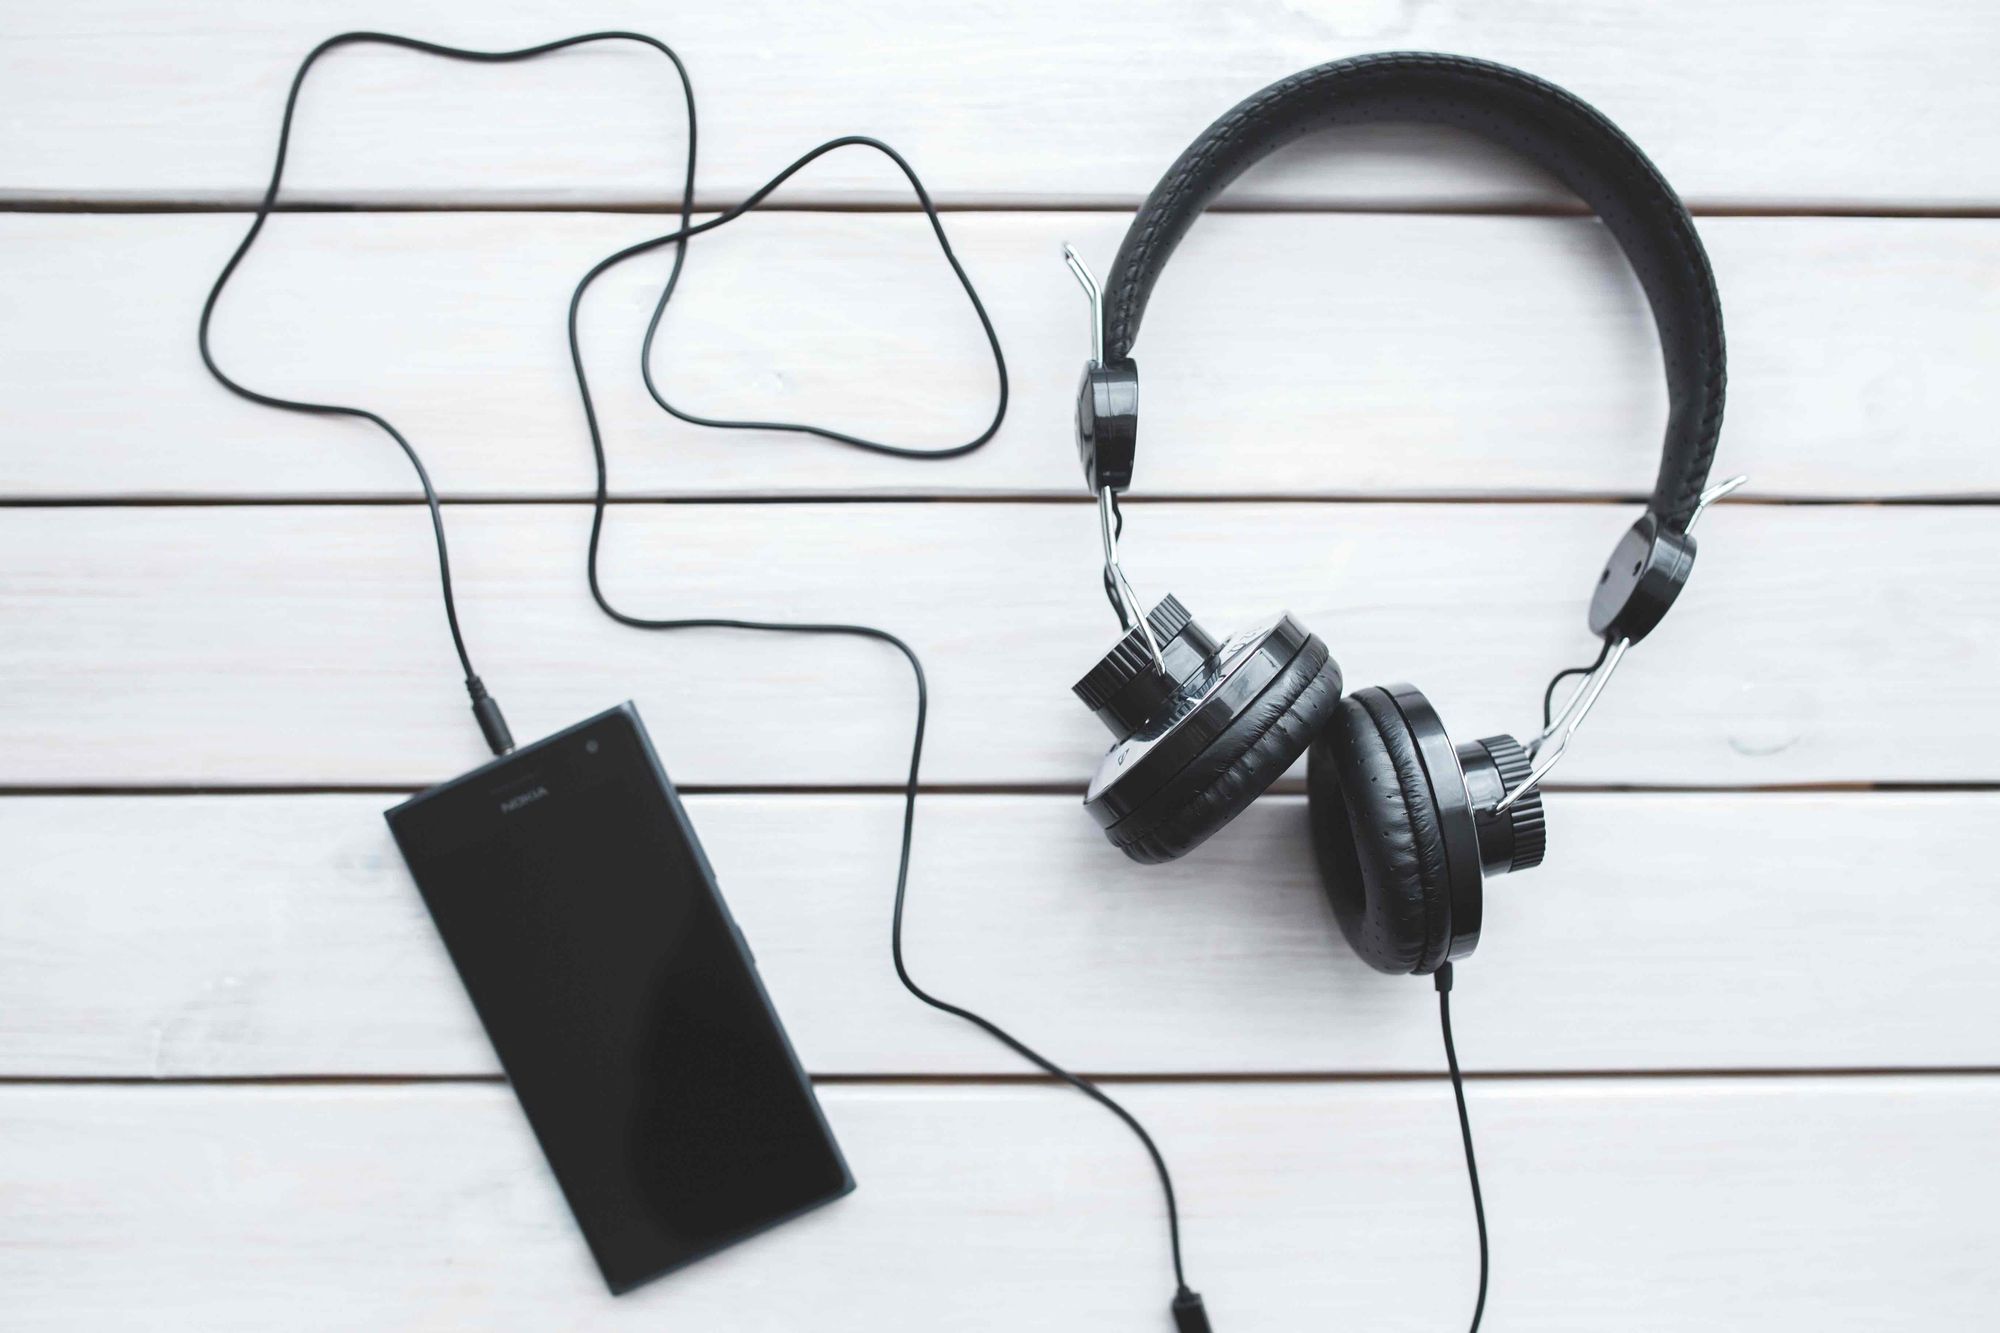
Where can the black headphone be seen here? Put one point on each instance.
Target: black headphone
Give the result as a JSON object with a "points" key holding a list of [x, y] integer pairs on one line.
{"points": [[1405, 824]]}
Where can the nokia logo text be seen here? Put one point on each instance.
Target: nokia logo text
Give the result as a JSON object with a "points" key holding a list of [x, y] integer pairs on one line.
{"points": [[528, 797]]}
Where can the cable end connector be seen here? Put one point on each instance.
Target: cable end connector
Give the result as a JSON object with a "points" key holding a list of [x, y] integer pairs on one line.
{"points": [[492, 724], [1442, 977], [1190, 1316]]}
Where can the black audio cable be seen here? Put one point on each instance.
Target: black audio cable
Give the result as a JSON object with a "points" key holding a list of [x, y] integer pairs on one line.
{"points": [[1188, 1312], [1443, 979], [1187, 1304], [1125, 621], [1549, 694]]}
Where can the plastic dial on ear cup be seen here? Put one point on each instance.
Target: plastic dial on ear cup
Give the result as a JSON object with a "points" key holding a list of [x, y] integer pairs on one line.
{"points": [[1195, 744], [1518, 839]]}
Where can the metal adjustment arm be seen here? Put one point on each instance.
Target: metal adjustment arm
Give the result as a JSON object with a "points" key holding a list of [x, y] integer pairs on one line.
{"points": [[1125, 600], [1114, 577], [1544, 755], [1711, 495], [1546, 749], [1094, 294]]}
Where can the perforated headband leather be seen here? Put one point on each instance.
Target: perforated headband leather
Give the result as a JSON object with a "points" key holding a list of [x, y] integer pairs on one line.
{"points": [[1542, 122]]}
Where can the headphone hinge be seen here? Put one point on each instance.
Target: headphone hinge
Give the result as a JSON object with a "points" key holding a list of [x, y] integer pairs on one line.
{"points": [[1646, 572], [1107, 423]]}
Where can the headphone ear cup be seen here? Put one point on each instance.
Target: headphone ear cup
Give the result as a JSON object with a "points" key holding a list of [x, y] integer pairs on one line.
{"points": [[1239, 765], [1378, 836]]}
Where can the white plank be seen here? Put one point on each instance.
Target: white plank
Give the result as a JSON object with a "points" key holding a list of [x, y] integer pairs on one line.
{"points": [[1287, 354], [231, 936], [1736, 1205], [1861, 101], [304, 644]]}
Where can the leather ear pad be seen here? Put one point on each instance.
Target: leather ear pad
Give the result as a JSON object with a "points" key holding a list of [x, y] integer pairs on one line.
{"points": [[1376, 831], [1239, 765]]}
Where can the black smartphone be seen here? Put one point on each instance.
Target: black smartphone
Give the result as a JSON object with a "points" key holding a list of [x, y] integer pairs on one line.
{"points": [[621, 998]]}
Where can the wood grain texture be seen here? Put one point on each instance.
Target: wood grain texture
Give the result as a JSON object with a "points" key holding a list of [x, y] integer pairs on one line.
{"points": [[1839, 1179], [1289, 354], [288, 645], [1755, 1204], [280, 935], [1034, 102]]}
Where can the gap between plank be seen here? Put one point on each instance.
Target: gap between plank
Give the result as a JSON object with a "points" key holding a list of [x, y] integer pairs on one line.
{"points": [[1973, 499], [1412, 207], [1283, 787], [1252, 1078]]}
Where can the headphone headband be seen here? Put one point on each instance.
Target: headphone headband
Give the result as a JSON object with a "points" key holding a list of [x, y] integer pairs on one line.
{"points": [[1537, 119]]}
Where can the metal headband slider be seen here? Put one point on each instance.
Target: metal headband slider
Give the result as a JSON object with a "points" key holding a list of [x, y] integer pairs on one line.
{"points": [[1107, 401]]}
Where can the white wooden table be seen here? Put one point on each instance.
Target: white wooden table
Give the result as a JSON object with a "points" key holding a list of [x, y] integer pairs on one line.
{"points": [[1735, 1063]]}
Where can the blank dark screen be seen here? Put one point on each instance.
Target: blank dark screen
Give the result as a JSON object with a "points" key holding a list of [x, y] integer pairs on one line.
{"points": [[611, 980]]}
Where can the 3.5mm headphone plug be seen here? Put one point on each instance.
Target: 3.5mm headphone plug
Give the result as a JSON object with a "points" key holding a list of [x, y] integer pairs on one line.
{"points": [[492, 725]]}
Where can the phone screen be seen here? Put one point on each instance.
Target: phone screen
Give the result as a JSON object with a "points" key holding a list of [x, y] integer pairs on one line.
{"points": [[583, 917]]}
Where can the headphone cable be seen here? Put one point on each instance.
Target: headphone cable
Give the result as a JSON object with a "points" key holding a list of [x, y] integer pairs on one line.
{"points": [[1549, 694], [1189, 1315], [1187, 1304], [1443, 979]]}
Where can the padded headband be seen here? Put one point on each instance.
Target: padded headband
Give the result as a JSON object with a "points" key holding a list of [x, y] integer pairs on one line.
{"points": [[1538, 120]]}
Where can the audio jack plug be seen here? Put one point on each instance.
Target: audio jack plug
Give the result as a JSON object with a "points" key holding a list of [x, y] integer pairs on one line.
{"points": [[1189, 1314], [492, 725]]}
